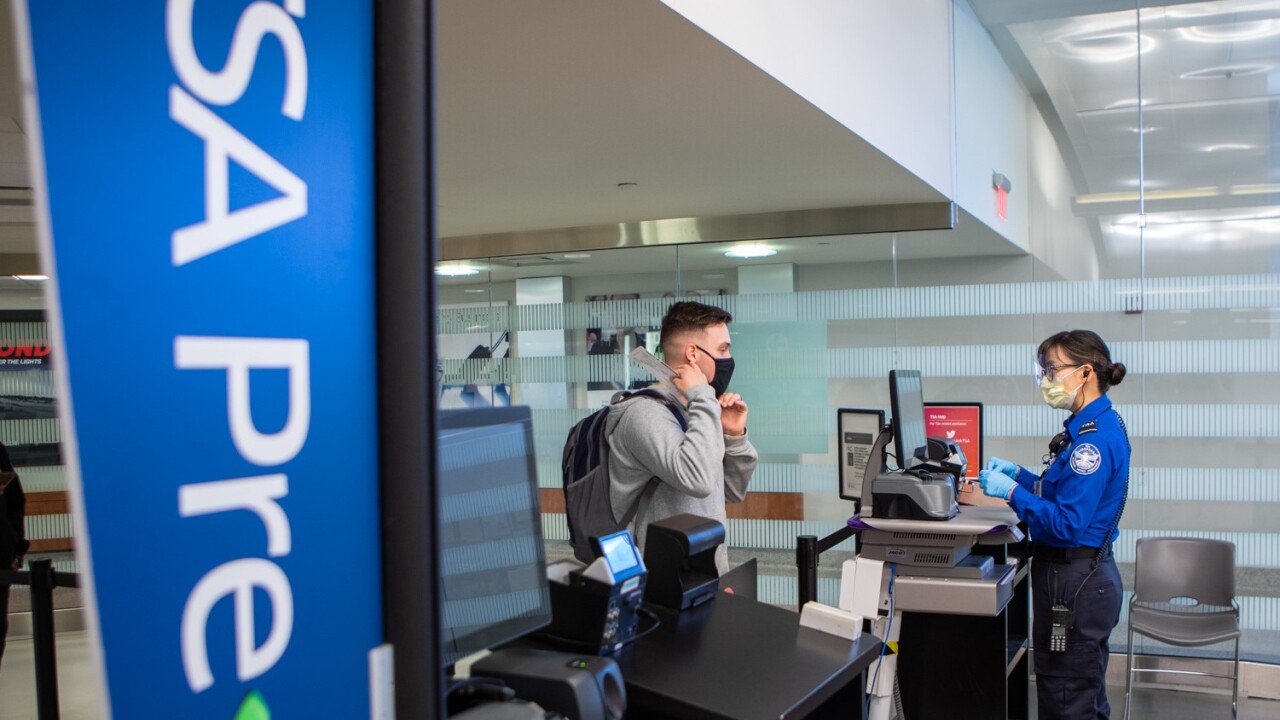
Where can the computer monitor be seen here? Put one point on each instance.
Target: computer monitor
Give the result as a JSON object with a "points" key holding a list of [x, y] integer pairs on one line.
{"points": [[492, 560], [906, 398]]}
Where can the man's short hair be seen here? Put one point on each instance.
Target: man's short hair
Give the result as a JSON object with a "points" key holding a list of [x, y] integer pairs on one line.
{"points": [[688, 316]]}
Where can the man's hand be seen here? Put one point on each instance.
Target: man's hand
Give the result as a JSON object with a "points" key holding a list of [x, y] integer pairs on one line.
{"points": [[688, 376], [733, 414], [17, 563]]}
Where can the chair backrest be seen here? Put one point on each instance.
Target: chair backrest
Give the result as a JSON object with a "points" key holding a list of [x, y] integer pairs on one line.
{"points": [[1170, 567]]}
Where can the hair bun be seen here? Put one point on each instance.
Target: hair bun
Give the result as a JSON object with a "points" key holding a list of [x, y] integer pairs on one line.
{"points": [[1118, 371]]}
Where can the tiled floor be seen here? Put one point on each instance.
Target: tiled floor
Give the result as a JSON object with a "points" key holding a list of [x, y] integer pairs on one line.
{"points": [[17, 690]]}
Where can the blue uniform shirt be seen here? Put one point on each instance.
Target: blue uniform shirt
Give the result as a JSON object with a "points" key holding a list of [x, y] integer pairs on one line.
{"points": [[1084, 486]]}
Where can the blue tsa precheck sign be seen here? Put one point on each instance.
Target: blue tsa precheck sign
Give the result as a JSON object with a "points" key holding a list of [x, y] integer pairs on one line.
{"points": [[204, 178]]}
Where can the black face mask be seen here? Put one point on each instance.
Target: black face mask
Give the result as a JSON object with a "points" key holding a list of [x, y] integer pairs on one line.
{"points": [[724, 371]]}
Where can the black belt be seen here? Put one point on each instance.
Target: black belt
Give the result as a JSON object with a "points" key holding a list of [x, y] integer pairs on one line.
{"points": [[1061, 554]]}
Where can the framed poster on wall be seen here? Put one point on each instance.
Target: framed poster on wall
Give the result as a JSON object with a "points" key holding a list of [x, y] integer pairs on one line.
{"points": [[961, 422]]}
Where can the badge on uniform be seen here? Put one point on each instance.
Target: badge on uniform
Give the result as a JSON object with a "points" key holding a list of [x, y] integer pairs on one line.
{"points": [[1085, 459]]}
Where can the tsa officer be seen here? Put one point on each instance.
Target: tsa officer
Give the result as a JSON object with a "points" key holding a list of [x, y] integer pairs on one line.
{"points": [[1073, 511]]}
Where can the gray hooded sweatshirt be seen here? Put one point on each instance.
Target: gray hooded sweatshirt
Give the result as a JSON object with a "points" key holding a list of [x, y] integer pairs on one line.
{"points": [[700, 470]]}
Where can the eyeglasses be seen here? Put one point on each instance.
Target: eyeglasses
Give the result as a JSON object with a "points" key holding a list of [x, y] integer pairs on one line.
{"points": [[1050, 370]]}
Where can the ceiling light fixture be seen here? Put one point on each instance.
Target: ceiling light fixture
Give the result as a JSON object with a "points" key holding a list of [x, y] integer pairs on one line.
{"points": [[1254, 189], [747, 252], [1186, 194], [1149, 183], [32, 278], [1128, 103], [576, 256], [1106, 46], [1227, 72], [1227, 146], [456, 270], [1232, 32], [1184, 105]]}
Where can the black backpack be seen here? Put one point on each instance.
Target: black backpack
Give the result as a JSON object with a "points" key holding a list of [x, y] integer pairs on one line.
{"points": [[586, 477]]}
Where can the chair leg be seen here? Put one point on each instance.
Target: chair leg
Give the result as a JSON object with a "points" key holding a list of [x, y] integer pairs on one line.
{"points": [[1128, 676], [1235, 683]]}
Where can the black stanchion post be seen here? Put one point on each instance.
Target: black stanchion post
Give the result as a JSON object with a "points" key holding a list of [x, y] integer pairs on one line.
{"points": [[43, 640], [808, 548], [807, 568]]}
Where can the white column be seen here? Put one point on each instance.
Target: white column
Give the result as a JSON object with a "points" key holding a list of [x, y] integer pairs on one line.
{"points": [[541, 343]]}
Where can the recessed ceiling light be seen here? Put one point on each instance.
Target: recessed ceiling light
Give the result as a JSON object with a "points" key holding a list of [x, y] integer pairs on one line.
{"points": [[1231, 32], [1145, 130], [1183, 194], [1149, 183], [1105, 46], [1255, 189], [747, 252], [475, 290], [1227, 146], [456, 270], [32, 278], [1227, 72], [1128, 103], [576, 256]]}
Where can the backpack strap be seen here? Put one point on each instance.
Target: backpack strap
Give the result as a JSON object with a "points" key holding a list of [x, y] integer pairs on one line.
{"points": [[654, 482], [645, 496], [623, 395]]}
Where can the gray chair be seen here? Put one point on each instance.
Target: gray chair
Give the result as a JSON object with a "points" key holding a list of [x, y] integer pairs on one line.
{"points": [[1170, 569]]}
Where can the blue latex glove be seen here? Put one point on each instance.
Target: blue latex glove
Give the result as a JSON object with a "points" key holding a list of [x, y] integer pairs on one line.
{"points": [[1001, 465], [996, 484]]}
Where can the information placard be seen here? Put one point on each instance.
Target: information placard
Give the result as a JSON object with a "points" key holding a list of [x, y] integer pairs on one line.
{"points": [[856, 431]]}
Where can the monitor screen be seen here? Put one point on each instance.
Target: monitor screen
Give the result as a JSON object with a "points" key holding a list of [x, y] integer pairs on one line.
{"points": [[907, 400], [492, 560], [621, 555]]}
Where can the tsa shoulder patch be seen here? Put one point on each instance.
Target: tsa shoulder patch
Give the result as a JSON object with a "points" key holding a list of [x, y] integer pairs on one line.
{"points": [[1085, 459]]}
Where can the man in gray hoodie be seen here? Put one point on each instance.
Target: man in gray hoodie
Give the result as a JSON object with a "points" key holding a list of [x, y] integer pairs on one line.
{"points": [[702, 468]]}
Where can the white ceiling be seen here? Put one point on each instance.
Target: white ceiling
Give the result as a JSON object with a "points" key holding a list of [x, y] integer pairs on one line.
{"points": [[1210, 91], [17, 228], [543, 108]]}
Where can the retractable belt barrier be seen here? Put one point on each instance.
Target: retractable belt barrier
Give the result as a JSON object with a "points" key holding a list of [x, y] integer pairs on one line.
{"points": [[42, 579]]}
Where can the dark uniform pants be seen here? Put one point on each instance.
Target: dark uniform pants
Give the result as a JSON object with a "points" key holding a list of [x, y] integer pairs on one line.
{"points": [[1072, 685]]}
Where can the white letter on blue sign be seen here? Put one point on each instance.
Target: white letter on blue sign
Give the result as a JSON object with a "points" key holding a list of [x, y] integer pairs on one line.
{"points": [[238, 356], [222, 228], [240, 577], [227, 85], [256, 494]]}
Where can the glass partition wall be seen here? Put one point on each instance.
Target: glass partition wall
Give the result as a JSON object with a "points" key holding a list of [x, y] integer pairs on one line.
{"points": [[1154, 220]]}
